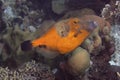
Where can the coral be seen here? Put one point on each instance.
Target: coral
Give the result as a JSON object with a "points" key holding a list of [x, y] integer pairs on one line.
{"points": [[78, 62], [11, 38], [95, 40], [92, 43], [88, 45], [28, 71]]}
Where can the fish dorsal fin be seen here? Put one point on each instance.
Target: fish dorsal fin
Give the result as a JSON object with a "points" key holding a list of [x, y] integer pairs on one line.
{"points": [[62, 28]]}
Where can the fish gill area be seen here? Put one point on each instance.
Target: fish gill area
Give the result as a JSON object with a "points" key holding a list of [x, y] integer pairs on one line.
{"points": [[97, 58]]}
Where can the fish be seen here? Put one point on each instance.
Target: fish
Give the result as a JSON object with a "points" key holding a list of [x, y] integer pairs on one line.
{"points": [[63, 37]]}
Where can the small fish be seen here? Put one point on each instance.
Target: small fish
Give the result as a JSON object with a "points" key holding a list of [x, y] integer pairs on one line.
{"points": [[63, 37]]}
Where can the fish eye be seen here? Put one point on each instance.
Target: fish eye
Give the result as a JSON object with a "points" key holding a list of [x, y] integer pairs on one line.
{"points": [[75, 35], [75, 22]]}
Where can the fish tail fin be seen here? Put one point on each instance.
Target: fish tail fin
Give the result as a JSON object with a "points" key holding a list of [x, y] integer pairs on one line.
{"points": [[26, 45]]}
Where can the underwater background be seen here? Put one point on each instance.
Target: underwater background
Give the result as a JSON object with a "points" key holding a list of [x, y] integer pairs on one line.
{"points": [[59, 39]]}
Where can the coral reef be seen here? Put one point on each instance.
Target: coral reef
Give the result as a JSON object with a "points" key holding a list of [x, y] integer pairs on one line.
{"points": [[29, 71], [22, 20]]}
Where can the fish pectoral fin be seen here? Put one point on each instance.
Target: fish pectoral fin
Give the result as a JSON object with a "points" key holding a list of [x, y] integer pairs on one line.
{"points": [[26, 45]]}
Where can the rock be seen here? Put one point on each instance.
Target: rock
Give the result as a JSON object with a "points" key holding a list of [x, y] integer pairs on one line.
{"points": [[79, 61]]}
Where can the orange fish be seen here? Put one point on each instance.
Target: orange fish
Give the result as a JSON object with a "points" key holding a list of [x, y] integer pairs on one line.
{"points": [[63, 37]]}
